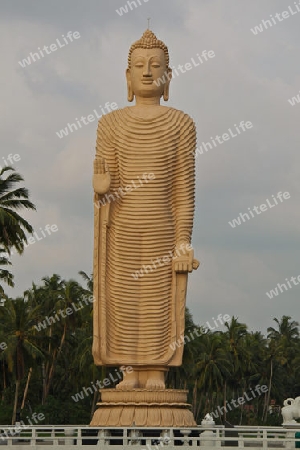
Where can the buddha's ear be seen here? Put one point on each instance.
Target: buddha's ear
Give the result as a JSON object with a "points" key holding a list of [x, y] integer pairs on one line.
{"points": [[167, 85], [130, 94]]}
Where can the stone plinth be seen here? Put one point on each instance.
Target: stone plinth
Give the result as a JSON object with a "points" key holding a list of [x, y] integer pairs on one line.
{"points": [[144, 408]]}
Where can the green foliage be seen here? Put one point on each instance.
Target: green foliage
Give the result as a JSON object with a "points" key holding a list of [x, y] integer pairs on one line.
{"points": [[45, 366], [13, 226]]}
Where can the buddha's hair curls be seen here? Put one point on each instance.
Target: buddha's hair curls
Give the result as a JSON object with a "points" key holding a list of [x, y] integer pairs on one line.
{"points": [[149, 40]]}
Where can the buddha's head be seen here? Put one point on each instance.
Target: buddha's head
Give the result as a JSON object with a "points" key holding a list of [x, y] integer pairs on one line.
{"points": [[148, 73]]}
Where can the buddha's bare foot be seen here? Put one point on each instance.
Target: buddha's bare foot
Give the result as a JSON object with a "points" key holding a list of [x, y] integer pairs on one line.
{"points": [[131, 381], [155, 380], [155, 385], [127, 385]]}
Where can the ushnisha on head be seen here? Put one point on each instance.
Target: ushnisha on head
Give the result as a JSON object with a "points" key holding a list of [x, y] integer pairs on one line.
{"points": [[148, 73]]}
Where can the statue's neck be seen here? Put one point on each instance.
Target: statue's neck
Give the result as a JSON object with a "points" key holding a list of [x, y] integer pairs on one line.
{"points": [[151, 101], [148, 112]]}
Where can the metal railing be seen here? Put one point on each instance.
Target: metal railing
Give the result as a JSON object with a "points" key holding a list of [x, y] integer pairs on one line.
{"points": [[150, 438]]}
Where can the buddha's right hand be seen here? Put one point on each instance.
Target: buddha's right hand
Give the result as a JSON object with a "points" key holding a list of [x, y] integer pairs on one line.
{"points": [[101, 178]]}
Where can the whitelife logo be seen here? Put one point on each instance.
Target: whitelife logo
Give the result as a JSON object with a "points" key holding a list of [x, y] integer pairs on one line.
{"points": [[239, 401], [206, 55], [124, 9], [122, 191], [86, 119], [63, 313], [47, 231], [200, 331], [259, 209], [294, 100], [279, 18], [274, 292], [205, 146], [86, 391], [11, 160], [33, 57]]}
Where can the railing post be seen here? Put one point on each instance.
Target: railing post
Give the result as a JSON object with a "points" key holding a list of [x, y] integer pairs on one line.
{"points": [[68, 433], [185, 440], [265, 439], [79, 436], [135, 436], [241, 440], [33, 436], [290, 438], [102, 435]]}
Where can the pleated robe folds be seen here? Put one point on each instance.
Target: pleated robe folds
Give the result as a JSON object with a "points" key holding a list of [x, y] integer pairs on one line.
{"points": [[137, 225]]}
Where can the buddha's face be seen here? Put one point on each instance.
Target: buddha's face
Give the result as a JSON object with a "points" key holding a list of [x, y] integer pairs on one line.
{"points": [[147, 67]]}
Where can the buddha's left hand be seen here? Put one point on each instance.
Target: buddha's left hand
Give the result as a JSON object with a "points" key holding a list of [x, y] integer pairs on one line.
{"points": [[183, 258]]}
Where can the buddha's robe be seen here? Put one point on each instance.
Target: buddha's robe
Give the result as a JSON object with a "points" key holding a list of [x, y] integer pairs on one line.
{"points": [[136, 318]]}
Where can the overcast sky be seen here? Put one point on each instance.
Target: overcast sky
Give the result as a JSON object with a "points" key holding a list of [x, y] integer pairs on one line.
{"points": [[251, 78]]}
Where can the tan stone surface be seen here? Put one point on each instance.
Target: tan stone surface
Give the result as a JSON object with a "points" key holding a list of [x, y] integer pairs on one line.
{"points": [[149, 150], [144, 396], [144, 408], [142, 416], [144, 186]]}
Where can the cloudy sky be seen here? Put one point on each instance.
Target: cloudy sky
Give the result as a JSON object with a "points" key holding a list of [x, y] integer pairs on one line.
{"points": [[250, 79]]}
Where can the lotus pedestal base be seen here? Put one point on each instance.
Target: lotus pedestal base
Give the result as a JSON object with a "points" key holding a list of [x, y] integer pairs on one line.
{"points": [[143, 408]]}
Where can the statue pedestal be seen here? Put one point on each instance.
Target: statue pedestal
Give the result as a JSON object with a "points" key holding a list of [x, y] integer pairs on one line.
{"points": [[144, 408]]}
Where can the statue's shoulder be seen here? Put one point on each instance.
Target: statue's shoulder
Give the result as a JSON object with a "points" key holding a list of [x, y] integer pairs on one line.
{"points": [[109, 117], [182, 116], [109, 122]]}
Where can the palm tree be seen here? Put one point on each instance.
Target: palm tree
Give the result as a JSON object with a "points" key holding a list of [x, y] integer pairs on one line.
{"points": [[287, 330], [283, 350], [236, 333], [17, 319], [13, 226], [88, 279], [214, 366], [5, 275], [61, 297]]}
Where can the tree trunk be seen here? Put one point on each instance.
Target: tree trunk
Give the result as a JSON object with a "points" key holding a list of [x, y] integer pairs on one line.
{"points": [[13, 420], [51, 372], [26, 388], [4, 380], [194, 405], [267, 398], [242, 406], [225, 398], [199, 406], [44, 382]]}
